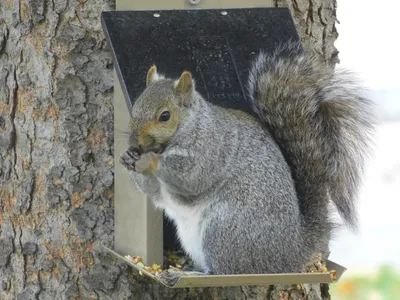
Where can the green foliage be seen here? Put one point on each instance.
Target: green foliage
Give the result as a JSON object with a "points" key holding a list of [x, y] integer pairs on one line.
{"points": [[384, 285]]}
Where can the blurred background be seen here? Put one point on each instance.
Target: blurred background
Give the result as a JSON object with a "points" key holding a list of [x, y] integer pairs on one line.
{"points": [[368, 45]]}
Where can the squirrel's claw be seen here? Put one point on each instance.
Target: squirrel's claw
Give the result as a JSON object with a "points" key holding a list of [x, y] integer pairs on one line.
{"points": [[129, 158]]}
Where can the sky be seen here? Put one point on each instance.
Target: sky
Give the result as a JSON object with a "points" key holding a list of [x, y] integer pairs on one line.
{"points": [[368, 45], [367, 40]]}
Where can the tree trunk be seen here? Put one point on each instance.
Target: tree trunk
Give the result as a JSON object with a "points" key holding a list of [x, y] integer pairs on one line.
{"points": [[56, 154]]}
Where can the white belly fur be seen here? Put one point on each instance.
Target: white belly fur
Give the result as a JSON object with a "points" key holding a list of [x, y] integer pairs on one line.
{"points": [[187, 220]]}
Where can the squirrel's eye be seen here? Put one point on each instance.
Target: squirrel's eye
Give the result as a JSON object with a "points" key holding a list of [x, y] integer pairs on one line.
{"points": [[164, 117]]}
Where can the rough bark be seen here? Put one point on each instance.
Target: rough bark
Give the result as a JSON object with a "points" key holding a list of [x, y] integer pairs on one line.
{"points": [[56, 154], [315, 21]]}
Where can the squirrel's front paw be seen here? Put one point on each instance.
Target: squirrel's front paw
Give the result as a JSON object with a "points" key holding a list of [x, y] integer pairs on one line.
{"points": [[147, 163], [129, 157]]}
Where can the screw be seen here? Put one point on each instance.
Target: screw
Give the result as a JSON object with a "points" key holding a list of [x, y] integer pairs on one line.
{"points": [[194, 2]]}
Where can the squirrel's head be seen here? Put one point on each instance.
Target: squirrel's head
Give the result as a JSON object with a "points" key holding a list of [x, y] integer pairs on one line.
{"points": [[158, 111]]}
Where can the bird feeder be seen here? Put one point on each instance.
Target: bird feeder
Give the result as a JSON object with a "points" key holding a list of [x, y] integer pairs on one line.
{"points": [[216, 41]]}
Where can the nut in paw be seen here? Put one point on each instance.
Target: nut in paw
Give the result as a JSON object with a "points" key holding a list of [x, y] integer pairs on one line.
{"points": [[147, 163], [129, 157]]}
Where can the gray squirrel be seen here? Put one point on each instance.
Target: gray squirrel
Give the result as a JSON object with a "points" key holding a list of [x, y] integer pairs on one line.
{"points": [[251, 195]]}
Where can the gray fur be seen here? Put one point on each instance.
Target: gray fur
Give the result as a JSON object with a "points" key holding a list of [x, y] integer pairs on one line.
{"points": [[237, 172], [322, 121]]}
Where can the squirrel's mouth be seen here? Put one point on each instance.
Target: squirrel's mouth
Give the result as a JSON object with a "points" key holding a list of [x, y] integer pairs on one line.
{"points": [[158, 150]]}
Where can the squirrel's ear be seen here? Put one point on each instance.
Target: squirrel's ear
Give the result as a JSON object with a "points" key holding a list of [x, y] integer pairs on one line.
{"points": [[185, 84], [152, 75]]}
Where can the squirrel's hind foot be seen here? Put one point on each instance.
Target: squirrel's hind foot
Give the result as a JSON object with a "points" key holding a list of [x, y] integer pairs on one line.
{"points": [[171, 277]]}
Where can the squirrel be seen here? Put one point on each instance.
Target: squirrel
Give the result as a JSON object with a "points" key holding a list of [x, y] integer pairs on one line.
{"points": [[250, 194]]}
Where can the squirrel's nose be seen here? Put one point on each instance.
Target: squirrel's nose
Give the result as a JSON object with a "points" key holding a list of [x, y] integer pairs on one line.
{"points": [[145, 142]]}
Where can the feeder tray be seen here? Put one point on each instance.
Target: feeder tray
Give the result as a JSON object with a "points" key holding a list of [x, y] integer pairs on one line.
{"points": [[244, 280]]}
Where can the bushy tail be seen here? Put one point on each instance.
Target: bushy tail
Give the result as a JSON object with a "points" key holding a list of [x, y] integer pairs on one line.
{"points": [[321, 121]]}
